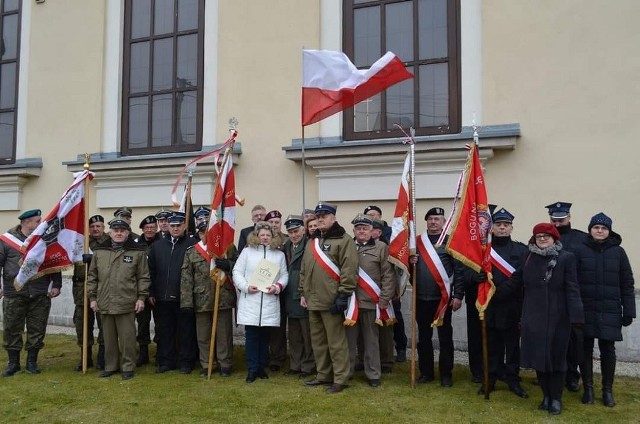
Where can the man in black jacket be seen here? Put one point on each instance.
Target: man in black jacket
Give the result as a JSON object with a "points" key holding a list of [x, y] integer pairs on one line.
{"points": [[175, 327], [258, 213]]}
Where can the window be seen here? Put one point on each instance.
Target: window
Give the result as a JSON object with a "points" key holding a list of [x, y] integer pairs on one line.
{"points": [[9, 65], [425, 35], [162, 76]]}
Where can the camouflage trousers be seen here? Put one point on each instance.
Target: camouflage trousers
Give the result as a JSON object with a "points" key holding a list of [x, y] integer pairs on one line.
{"points": [[78, 322], [21, 310]]}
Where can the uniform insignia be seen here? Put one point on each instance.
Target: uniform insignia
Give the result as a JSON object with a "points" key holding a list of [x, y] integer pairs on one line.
{"points": [[326, 247], [127, 259]]}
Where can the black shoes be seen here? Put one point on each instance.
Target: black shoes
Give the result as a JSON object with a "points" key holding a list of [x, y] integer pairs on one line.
{"points": [[316, 382], [374, 382], [263, 375], [292, 372], [446, 381], [423, 379], [32, 362], [204, 372], [127, 375], [607, 398], [335, 388], [225, 372], [518, 390], [305, 374], [275, 368], [573, 386], [106, 374], [555, 407], [251, 377], [185, 370], [587, 396], [161, 369], [401, 356]]}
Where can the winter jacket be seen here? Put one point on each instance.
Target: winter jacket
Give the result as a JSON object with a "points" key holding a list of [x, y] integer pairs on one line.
{"points": [[571, 238], [292, 292], [258, 309], [606, 286], [197, 289], [118, 277], [78, 271], [10, 264], [165, 266], [318, 288], [427, 288], [373, 259]]}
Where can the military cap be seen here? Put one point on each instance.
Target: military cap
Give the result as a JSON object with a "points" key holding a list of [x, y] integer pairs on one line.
{"points": [[502, 215], [307, 211], [202, 212], [272, 214], [151, 219], [377, 224], [559, 210], [434, 211], [123, 211], [324, 207], [116, 223], [30, 214], [372, 208], [293, 221], [362, 220], [96, 218], [163, 214], [177, 218], [203, 226]]}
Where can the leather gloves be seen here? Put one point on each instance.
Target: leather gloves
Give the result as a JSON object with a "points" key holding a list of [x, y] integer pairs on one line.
{"points": [[86, 258], [341, 304], [626, 321]]}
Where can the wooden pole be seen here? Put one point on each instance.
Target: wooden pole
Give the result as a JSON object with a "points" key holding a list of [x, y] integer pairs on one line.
{"points": [[85, 299], [219, 282], [485, 356]]}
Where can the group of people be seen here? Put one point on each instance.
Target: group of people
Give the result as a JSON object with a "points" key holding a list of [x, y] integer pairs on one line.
{"points": [[339, 297]]}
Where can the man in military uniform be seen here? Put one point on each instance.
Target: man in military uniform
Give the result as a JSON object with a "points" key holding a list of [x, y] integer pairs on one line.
{"points": [[375, 289], [504, 310], [430, 305], [124, 213], [162, 217], [118, 285], [201, 214], [328, 277], [560, 216], [96, 236], [197, 293], [258, 213], [29, 306]]}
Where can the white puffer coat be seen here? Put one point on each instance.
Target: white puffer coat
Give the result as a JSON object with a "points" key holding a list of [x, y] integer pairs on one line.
{"points": [[258, 309]]}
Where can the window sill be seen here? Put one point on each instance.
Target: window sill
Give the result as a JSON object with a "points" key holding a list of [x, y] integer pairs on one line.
{"points": [[344, 167], [13, 177]]}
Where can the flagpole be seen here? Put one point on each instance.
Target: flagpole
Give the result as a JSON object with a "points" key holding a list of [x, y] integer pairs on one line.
{"points": [[187, 203], [303, 173], [414, 291], [85, 301]]}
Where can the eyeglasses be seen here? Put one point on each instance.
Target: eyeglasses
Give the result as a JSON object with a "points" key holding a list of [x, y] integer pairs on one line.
{"points": [[543, 236]]}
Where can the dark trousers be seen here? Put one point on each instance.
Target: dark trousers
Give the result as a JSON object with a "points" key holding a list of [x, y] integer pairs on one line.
{"points": [[504, 354], [551, 384], [474, 339], [574, 355], [607, 361], [176, 329], [399, 335], [278, 338], [256, 347], [425, 311]]}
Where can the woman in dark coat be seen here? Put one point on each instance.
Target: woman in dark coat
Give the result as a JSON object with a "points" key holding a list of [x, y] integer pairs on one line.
{"points": [[606, 286], [551, 305]]}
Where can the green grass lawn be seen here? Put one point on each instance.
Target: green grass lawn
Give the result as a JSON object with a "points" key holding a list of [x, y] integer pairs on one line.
{"points": [[62, 395]]}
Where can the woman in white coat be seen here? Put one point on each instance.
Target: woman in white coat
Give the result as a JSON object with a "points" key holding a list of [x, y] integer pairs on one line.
{"points": [[258, 310]]}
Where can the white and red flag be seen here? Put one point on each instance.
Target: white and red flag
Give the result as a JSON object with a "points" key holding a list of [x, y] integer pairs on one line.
{"points": [[222, 223], [331, 83], [58, 242]]}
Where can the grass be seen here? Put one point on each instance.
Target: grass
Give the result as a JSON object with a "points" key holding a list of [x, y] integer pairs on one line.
{"points": [[61, 395]]}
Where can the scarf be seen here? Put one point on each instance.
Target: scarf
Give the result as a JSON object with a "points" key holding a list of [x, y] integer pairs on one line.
{"points": [[551, 252]]}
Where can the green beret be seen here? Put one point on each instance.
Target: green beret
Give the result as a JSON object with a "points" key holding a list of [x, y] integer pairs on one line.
{"points": [[30, 214]]}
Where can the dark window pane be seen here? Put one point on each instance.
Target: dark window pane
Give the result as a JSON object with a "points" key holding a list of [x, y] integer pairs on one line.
{"points": [[187, 72], [161, 120], [163, 17], [432, 27], [366, 36], [140, 18], [8, 85], [187, 14], [138, 122], [367, 114], [186, 113], [139, 77], [9, 5], [10, 36], [400, 104], [163, 64], [399, 30], [6, 135], [434, 95]]}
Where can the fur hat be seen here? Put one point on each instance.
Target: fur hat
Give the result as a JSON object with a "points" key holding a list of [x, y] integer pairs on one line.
{"points": [[547, 228]]}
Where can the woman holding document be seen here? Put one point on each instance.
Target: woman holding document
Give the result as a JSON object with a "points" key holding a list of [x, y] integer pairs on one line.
{"points": [[260, 274]]}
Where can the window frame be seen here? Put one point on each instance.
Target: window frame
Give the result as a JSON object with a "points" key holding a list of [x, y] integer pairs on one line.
{"points": [[125, 150], [11, 159], [454, 69]]}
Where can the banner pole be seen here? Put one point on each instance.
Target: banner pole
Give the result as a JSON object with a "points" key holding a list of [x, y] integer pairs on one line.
{"points": [[85, 299], [412, 232]]}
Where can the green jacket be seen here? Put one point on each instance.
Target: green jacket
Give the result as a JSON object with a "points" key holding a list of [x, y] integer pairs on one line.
{"points": [[78, 271], [318, 288], [292, 292], [197, 289], [118, 278], [374, 261]]}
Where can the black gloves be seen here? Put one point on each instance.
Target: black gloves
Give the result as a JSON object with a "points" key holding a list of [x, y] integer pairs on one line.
{"points": [[626, 321], [223, 264], [480, 277], [341, 304], [86, 258]]}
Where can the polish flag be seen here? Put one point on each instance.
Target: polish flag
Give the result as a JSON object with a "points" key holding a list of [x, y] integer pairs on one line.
{"points": [[331, 83], [222, 223]]}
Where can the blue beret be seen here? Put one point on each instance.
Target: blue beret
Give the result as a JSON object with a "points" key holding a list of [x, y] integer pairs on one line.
{"points": [[30, 214]]}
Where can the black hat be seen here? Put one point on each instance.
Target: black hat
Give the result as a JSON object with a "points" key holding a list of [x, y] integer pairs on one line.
{"points": [[293, 222], [148, 220], [434, 211], [377, 224], [502, 215], [96, 218], [30, 214], [601, 219], [362, 220], [272, 214], [372, 208], [202, 226], [559, 210], [177, 218], [116, 223], [202, 212], [163, 214], [123, 211], [324, 207]]}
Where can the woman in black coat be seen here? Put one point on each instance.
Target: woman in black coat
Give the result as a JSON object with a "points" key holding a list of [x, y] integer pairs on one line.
{"points": [[551, 305], [606, 286]]}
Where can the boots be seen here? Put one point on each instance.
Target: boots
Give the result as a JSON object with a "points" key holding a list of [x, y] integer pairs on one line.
{"points": [[32, 361], [89, 360], [587, 381], [143, 356], [100, 358], [13, 366], [608, 366]]}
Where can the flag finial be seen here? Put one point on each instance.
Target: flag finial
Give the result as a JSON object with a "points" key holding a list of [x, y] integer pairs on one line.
{"points": [[85, 166]]}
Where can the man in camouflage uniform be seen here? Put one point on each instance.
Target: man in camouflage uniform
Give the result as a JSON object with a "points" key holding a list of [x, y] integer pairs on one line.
{"points": [[198, 291], [96, 236], [29, 306]]}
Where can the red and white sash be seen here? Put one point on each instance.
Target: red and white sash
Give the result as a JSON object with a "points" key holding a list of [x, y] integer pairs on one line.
{"points": [[384, 316], [434, 264], [500, 263], [202, 250], [12, 241]]}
